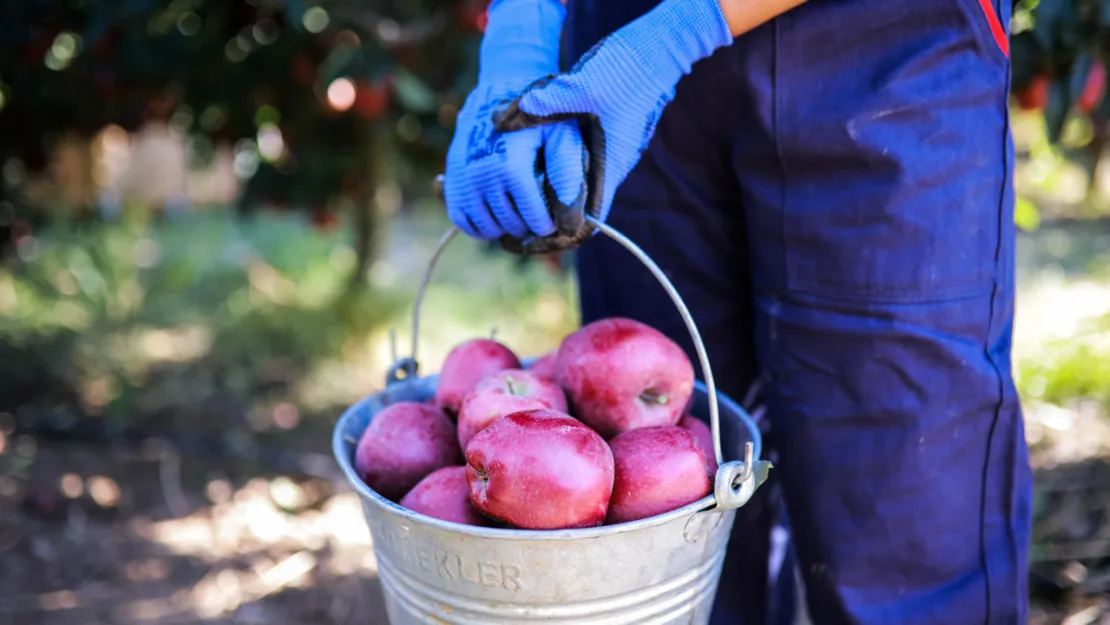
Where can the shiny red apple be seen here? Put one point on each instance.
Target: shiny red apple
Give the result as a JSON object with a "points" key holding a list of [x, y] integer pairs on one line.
{"points": [[621, 374], [444, 495], [540, 469], [506, 392], [544, 366], [656, 470], [404, 443], [703, 436], [465, 365]]}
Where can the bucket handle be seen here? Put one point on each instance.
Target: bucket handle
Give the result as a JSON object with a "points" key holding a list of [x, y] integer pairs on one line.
{"points": [[735, 481]]}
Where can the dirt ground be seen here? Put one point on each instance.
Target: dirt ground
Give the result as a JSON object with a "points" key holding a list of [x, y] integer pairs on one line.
{"points": [[91, 535], [137, 536]]}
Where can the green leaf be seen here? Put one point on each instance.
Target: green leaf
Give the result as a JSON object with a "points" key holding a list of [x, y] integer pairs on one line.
{"points": [[1105, 14], [1026, 215], [1080, 70], [1047, 15], [1027, 59], [413, 93], [294, 13], [1056, 109], [341, 61], [1023, 18]]}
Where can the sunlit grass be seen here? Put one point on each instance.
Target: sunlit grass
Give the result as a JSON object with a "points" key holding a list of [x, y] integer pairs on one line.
{"points": [[265, 301]]}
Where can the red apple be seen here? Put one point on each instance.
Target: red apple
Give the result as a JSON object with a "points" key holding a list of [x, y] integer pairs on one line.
{"points": [[1093, 89], [621, 374], [656, 470], [703, 436], [689, 405], [468, 363], [1035, 94], [444, 495], [404, 443], [506, 392], [544, 366], [540, 469]]}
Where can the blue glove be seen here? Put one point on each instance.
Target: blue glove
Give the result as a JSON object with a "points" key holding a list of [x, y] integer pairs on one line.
{"points": [[500, 185], [618, 89]]}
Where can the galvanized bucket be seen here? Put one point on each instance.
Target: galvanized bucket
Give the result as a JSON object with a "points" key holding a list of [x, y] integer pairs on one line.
{"points": [[659, 571]]}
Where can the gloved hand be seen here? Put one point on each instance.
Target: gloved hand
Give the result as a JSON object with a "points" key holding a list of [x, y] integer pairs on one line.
{"points": [[495, 183], [619, 88]]}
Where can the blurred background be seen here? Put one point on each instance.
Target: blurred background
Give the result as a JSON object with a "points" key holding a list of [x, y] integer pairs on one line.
{"points": [[212, 212]]}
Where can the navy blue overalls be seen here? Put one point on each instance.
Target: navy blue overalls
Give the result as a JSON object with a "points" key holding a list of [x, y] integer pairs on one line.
{"points": [[831, 195]]}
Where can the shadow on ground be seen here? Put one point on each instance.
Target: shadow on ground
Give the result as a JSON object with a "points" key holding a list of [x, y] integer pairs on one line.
{"points": [[91, 536], [96, 536]]}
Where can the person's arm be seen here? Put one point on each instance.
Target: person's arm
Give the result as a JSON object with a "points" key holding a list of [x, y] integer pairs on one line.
{"points": [[744, 15]]}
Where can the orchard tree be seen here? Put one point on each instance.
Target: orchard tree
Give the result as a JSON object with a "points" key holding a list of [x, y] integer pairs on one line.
{"points": [[1061, 51], [321, 98], [324, 98]]}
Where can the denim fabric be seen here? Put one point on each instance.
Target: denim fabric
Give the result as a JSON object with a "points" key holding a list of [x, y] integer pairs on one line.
{"points": [[832, 196]]}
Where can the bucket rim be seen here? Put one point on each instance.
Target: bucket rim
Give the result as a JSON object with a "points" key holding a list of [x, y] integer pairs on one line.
{"points": [[340, 450]]}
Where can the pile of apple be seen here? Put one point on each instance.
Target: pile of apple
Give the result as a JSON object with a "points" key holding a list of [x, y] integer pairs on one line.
{"points": [[595, 432]]}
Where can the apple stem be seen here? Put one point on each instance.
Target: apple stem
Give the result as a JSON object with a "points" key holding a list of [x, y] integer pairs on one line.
{"points": [[652, 398], [509, 383]]}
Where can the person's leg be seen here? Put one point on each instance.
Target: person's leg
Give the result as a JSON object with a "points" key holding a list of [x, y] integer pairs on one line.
{"points": [[879, 207], [681, 205]]}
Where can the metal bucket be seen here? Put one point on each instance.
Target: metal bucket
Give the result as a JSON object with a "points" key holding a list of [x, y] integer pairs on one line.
{"points": [[659, 571]]}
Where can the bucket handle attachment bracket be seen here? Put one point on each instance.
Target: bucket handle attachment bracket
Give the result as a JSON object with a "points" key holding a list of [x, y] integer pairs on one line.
{"points": [[736, 481]]}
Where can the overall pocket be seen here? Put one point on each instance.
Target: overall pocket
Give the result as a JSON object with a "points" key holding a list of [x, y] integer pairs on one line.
{"points": [[893, 149]]}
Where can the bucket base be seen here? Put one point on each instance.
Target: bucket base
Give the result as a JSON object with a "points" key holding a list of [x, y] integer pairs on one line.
{"points": [[663, 599]]}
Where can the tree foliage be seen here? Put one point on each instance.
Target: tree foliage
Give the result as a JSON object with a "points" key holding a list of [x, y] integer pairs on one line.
{"points": [[235, 70], [1060, 50]]}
